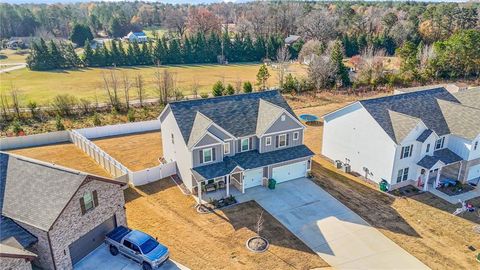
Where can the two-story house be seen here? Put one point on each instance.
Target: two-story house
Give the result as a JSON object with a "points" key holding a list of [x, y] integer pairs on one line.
{"points": [[236, 141], [408, 138], [52, 215]]}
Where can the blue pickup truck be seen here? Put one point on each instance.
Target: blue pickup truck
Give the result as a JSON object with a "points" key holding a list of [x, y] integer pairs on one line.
{"points": [[137, 246]]}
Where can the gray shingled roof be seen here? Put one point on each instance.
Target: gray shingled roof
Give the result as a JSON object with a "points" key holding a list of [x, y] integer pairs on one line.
{"points": [[35, 193], [444, 155], [237, 114], [251, 160], [9, 229], [428, 106], [470, 97], [267, 113], [402, 124], [424, 136], [200, 126]]}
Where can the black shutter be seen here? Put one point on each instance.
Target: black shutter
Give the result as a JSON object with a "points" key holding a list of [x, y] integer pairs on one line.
{"points": [[250, 142], [239, 146], [411, 150], [201, 156], [213, 154], [401, 153], [95, 198], [82, 206], [288, 136], [276, 141]]}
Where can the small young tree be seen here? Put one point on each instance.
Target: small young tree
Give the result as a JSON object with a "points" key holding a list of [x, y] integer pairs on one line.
{"points": [[15, 102], [131, 115], [238, 86], [164, 84], [229, 90], [110, 84], [291, 84], [262, 76], [64, 104], [126, 89], [247, 87], [283, 56], [342, 78], [59, 123], [96, 120], [195, 88], [4, 106], [259, 224], [139, 86], [85, 105], [16, 127], [32, 106], [218, 89]]}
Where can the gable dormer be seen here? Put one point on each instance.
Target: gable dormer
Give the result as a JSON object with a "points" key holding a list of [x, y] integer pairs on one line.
{"points": [[272, 118]]}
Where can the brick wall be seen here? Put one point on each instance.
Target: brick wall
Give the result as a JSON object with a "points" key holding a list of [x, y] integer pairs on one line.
{"points": [[71, 224], [14, 264], [41, 248]]}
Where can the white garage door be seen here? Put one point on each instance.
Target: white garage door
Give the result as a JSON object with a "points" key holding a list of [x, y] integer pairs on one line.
{"points": [[252, 178], [289, 172], [474, 172]]}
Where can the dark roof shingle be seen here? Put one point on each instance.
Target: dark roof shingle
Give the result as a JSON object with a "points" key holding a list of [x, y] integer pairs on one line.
{"points": [[444, 155]]}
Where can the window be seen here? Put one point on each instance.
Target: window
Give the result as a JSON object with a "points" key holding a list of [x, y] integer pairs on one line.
{"points": [[207, 155], [475, 145], [226, 148], [439, 143], [245, 144], [283, 117], [268, 141], [428, 148], [88, 201], [295, 136], [131, 246], [406, 151], [402, 175], [282, 140], [173, 139]]}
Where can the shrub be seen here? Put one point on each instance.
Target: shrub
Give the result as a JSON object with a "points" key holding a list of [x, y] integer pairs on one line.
{"points": [[96, 120], [247, 87], [131, 115], [32, 106], [59, 123], [229, 90], [64, 104], [204, 95], [218, 89], [16, 127], [85, 105]]}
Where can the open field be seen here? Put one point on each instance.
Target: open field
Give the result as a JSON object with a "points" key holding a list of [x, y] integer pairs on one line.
{"points": [[42, 86], [8, 56], [136, 152], [216, 240], [422, 225], [65, 154]]}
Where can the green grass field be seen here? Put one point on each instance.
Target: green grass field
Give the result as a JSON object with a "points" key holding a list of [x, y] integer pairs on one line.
{"points": [[42, 86], [8, 56]]}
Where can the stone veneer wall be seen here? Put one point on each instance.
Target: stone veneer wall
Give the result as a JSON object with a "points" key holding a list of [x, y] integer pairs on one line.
{"points": [[41, 248], [71, 224], [7, 263]]}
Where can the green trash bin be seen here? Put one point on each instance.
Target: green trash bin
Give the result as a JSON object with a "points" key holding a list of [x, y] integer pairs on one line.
{"points": [[383, 185], [271, 183]]}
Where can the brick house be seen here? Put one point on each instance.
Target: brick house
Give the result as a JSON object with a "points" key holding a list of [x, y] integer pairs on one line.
{"points": [[60, 214]]}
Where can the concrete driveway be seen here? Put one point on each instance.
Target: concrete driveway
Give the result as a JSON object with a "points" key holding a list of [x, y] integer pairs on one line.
{"points": [[101, 259], [338, 235]]}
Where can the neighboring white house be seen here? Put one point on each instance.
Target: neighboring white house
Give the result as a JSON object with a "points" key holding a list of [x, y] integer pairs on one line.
{"points": [[409, 137], [139, 37], [233, 143]]}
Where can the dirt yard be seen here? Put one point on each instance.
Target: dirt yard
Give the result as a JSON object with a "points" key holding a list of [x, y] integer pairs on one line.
{"points": [[423, 224], [137, 151], [65, 154], [217, 240]]}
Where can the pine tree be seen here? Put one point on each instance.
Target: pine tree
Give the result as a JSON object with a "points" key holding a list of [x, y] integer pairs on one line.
{"points": [[145, 55], [131, 59], [71, 57], [247, 87], [88, 55], [262, 76], [336, 57], [158, 52], [115, 54], [56, 56], [218, 89], [137, 53], [80, 34], [174, 53], [122, 54], [229, 90]]}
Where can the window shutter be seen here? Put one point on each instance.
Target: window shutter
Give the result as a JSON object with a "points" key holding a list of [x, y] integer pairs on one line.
{"points": [[411, 150], [201, 156], [82, 206], [276, 141], [401, 153], [250, 142], [288, 136], [213, 154], [95, 198], [239, 146]]}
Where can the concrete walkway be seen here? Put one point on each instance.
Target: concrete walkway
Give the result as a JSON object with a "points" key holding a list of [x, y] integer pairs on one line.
{"points": [[455, 199], [101, 259], [329, 228], [12, 67]]}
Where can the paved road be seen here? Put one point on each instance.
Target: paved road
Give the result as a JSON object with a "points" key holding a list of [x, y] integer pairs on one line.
{"points": [[101, 259], [13, 67], [338, 235]]}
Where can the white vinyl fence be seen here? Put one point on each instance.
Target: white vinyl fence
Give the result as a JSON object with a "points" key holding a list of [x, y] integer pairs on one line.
{"points": [[149, 175], [34, 140], [120, 129], [107, 162]]}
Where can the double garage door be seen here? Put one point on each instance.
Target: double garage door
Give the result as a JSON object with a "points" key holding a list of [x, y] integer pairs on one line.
{"points": [[91, 240], [473, 172], [252, 178]]}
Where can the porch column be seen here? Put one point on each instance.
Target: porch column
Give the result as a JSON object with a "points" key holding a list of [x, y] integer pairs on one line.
{"points": [[437, 181], [243, 184], [199, 191], [425, 184], [227, 183], [460, 172]]}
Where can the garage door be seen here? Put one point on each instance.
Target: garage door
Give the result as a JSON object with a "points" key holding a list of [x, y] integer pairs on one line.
{"points": [[290, 171], [91, 240], [253, 178], [474, 172]]}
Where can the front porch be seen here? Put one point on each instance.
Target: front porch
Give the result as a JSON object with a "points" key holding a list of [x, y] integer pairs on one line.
{"points": [[219, 187]]}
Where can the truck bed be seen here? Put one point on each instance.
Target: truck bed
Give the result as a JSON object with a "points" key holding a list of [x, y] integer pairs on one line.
{"points": [[118, 233]]}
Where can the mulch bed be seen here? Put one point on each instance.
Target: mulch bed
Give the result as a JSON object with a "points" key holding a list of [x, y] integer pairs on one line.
{"points": [[405, 191], [457, 189], [257, 244]]}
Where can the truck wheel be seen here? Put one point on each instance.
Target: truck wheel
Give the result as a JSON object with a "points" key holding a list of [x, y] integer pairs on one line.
{"points": [[146, 266], [114, 250]]}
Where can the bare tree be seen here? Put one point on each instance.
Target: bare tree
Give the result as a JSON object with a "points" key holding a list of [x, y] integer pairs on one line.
{"points": [[283, 56], [4, 106], [195, 88], [176, 20], [126, 89], [319, 25], [371, 69], [139, 86], [164, 84], [259, 224], [321, 72], [85, 105], [15, 102], [238, 86], [110, 84]]}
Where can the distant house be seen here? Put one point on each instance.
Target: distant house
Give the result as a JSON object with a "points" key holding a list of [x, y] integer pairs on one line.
{"points": [[291, 39], [51, 215], [139, 37], [15, 43], [98, 42]]}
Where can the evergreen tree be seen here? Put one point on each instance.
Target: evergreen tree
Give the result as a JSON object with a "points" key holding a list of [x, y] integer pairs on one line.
{"points": [[187, 51], [247, 87], [158, 52], [71, 57], [116, 29], [122, 54], [88, 55], [336, 57], [229, 90], [115, 54], [262, 76], [56, 56], [145, 55], [131, 58], [218, 89], [137, 53], [174, 53], [80, 34]]}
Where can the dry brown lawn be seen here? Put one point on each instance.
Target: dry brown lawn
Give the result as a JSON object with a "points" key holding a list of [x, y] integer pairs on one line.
{"points": [[65, 154], [422, 225], [136, 152], [216, 240]]}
